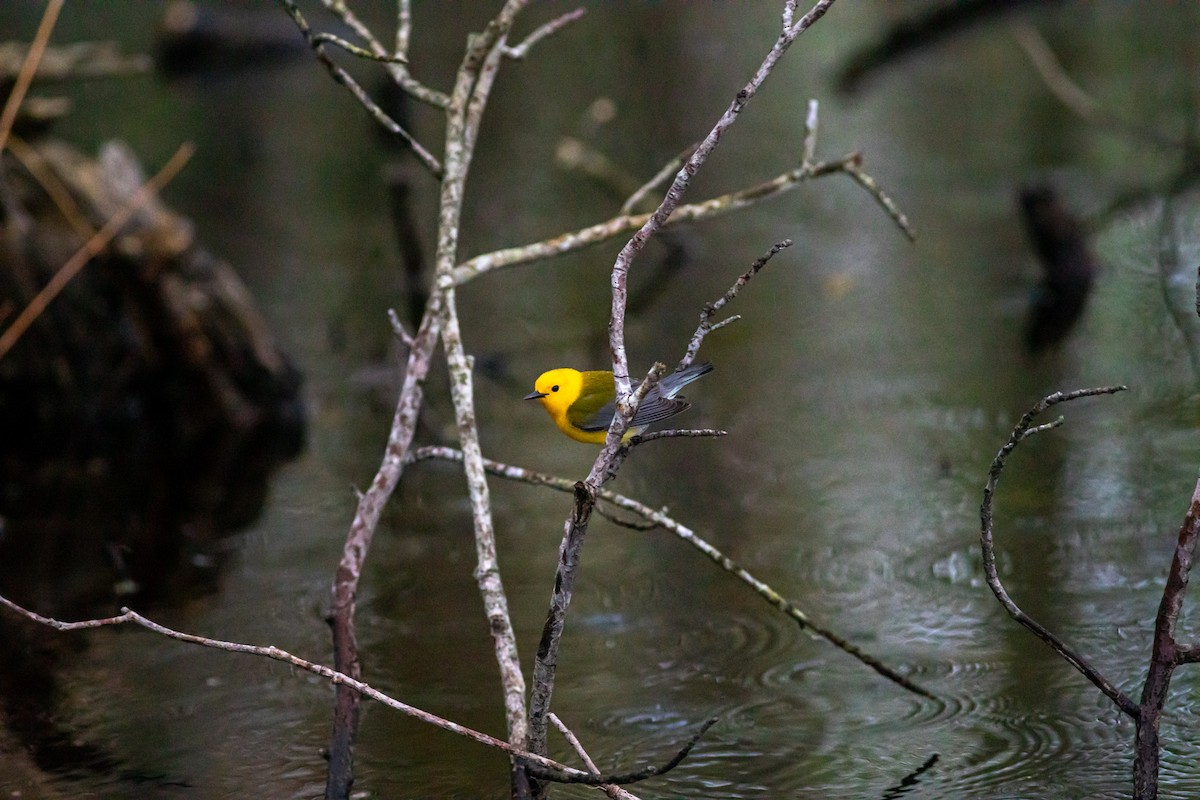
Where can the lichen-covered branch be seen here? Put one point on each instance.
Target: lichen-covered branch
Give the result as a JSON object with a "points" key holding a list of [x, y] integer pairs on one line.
{"points": [[358, 542], [341, 679], [623, 223], [397, 62], [661, 519], [341, 76]]}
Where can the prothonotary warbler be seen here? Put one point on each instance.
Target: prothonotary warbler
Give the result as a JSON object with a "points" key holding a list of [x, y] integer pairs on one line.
{"points": [[582, 404]]}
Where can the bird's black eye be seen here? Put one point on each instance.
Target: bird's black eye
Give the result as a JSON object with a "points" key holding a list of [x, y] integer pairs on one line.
{"points": [[554, 388]]}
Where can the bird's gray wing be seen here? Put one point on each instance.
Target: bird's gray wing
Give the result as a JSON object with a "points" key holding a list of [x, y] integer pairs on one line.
{"points": [[598, 421], [655, 408]]}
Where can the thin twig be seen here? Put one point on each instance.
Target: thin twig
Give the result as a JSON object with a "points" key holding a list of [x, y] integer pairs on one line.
{"points": [[674, 194], [28, 69], [710, 309], [128, 616], [403, 26], [355, 50], [855, 171], [398, 69], [1071, 95], [628, 777], [676, 433], [91, 248], [398, 328], [624, 523], [693, 212], [341, 76], [1023, 429], [667, 170], [519, 51], [613, 791]]}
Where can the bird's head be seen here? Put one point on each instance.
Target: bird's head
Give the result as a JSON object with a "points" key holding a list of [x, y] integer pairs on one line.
{"points": [[557, 389]]}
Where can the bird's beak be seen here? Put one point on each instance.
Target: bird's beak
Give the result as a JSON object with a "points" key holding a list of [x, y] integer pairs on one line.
{"points": [[534, 395]]}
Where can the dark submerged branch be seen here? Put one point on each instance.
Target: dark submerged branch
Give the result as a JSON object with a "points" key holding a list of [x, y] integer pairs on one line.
{"points": [[626, 777], [1024, 429]]}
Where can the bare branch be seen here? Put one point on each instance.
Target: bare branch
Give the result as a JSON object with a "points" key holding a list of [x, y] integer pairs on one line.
{"points": [[624, 523], [128, 616], [727, 321], [710, 309], [855, 171], [621, 266], [519, 51], [355, 50], [1020, 432], [643, 191], [398, 70], [684, 433], [613, 791], [398, 328], [707, 209], [628, 777], [341, 76], [1187, 655], [403, 26], [810, 134]]}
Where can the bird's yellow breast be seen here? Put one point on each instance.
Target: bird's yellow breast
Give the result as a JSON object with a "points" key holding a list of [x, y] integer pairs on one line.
{"points": [[571, 397]]}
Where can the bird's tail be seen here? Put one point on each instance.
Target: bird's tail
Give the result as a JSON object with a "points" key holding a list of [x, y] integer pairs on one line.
{"points": [[670, 385]]}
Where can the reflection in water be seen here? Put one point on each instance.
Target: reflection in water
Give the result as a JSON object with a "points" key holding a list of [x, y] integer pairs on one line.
{"points": [[141, 417]]}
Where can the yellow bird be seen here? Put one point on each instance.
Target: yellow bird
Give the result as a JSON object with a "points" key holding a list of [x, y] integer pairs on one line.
{"points": [[582, 404]]}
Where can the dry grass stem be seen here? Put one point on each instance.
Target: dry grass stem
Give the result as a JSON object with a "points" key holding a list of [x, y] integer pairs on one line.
{"points": [[25, 77], [91, 248]]}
